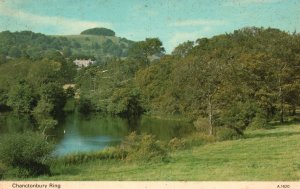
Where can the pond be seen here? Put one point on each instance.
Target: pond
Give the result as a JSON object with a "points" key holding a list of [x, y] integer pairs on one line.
{"points": [[78, 133]]}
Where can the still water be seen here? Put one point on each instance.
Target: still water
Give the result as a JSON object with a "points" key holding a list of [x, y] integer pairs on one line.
{"points": [[78, 133]]}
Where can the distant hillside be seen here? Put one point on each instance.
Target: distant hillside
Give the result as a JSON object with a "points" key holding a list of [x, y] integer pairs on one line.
{"points": [[101, 47], [37, 45], [98, 31]]}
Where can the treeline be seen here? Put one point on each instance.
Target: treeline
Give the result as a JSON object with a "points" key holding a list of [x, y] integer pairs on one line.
{"points": [[240, 80], [234, 81], [27, 44], [30, 45]]}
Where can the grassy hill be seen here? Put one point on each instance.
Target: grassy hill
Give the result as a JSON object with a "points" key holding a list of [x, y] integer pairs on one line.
{"points": [[264, 155]]}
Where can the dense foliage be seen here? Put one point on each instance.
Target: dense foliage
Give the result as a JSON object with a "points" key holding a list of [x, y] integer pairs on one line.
{"points": [[238, 80], [246, 78], [37, 85], [98, 31], [112, 87], [35, 88], [26, 153]]}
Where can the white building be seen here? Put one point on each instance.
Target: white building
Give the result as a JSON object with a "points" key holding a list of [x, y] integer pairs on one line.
{"points": [[84, 63]]}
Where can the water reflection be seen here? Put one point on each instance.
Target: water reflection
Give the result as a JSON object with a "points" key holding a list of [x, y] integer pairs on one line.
{"points": [[78, 133], [13, 123], [81, 134]]}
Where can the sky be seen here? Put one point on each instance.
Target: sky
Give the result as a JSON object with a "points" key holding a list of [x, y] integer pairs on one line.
{"points": [[172, 21]]}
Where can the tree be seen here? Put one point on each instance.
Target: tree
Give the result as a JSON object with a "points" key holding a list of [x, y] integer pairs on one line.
{"points": [[183, 49], [155, 86], [67, 52], [52, 98], [286, 68], [207, 82], [142, 50], [21, 98], [45, 122], [98, 31], [126, 103]]}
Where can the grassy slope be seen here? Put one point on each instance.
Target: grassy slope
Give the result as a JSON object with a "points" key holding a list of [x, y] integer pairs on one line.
{"points": [[263, 156]]}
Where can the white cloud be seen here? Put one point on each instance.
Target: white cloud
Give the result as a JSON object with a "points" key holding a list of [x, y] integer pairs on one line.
{"points": [[181, 37], [207, 29], [198, 22], [206, 26], [66, 25]]}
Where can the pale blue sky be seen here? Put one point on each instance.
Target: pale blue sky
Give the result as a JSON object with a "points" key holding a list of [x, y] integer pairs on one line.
{"points": [[173, 21]]}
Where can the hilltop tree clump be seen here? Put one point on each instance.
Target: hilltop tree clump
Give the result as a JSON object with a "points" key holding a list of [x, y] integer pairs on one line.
{"points": [[98, 31]]}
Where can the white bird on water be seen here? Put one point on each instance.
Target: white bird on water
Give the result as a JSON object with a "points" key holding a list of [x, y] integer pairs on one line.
{"points": [[64, 131]]}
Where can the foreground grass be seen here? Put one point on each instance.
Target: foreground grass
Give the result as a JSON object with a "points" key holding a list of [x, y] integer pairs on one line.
{"points": [[264, 155]]}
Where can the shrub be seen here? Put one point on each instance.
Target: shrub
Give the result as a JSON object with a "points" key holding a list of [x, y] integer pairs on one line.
{"points": [[258, 123], [27, 153], [176, 144], [198, 139], [143, 148], [225, 133], [17, 172], [202, 125]]}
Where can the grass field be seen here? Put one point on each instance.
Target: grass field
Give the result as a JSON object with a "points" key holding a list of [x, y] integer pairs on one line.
{"points": [[263, 155]]}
